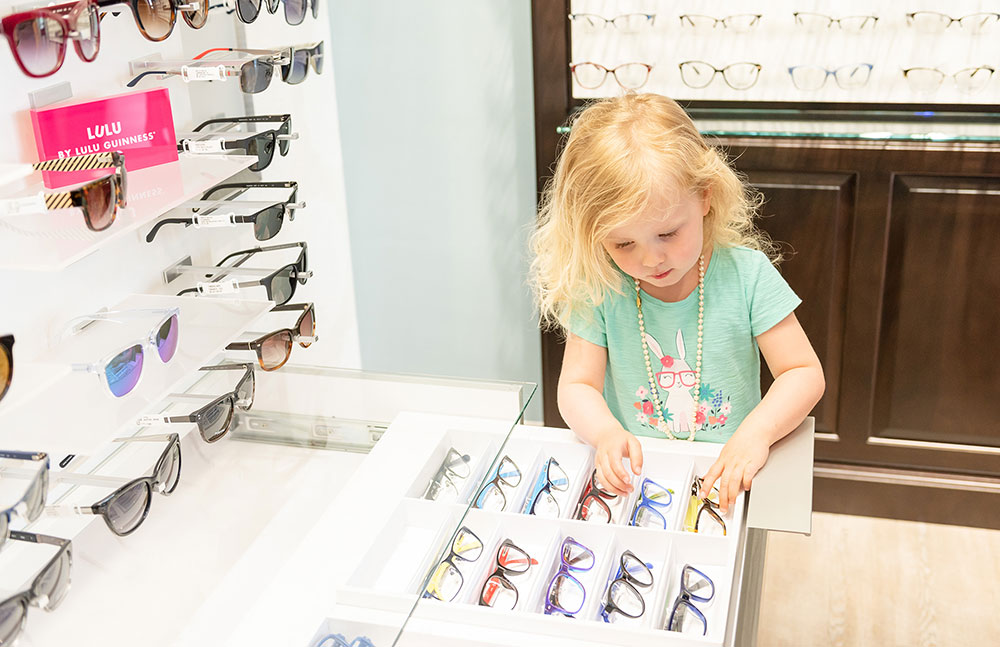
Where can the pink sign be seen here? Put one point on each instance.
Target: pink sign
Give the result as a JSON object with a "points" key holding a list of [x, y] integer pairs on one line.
{"points": [[139, 124]]}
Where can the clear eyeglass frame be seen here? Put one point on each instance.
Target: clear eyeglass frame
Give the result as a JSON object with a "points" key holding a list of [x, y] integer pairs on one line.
{"points": [[933, 22], [739, 23], [967, 81], [628, 23], [630, 76], [850, 24], [739, 76], [446, 481], [814, 77]]}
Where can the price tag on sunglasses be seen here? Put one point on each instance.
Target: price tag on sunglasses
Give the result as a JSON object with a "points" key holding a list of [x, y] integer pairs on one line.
{"points": [[219, 287], [17, 206], [149, 421], [215, 220], [204, 145], [198, 73]]}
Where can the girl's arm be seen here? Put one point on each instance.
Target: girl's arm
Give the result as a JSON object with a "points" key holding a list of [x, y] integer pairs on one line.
{"points": [[582, 405], [798, 386]]}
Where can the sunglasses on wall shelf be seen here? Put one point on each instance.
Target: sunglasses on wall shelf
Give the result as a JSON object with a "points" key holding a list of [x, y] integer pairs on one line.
{"points": [[127, 507], [299, 58], [215, 418], [6, 363], [38, 38], [260, 145], [284, 131], [120, 371], [266, 220], [254, 74], [46, 591], [301, 263], [99, 200], [274, 348], [156, 18], [295, 10], [30, 504]]}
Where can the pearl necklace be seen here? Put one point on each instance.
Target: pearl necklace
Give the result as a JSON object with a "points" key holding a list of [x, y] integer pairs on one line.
{"points": [[662, 425]]}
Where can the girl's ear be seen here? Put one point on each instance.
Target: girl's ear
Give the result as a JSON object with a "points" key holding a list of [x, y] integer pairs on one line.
{"points": [[706, 200]]}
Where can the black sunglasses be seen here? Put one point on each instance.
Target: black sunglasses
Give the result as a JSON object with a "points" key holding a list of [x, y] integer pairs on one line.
{"points": [[280, 284], [295, 10], [126, 508], [6, 363], [285, 134], [266, 222], [47, 590], [274, 348], [260, 145], [215, 418]]}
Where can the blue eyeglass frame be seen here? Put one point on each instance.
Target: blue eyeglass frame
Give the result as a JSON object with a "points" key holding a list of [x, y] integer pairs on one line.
{"points": [[651, 505], [565, 570], [338, 640], [686, 595]]}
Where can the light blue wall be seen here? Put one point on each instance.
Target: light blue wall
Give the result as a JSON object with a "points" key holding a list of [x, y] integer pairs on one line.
{"points": [[436, 120]]}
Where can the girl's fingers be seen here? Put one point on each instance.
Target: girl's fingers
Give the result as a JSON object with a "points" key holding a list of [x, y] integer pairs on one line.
{"points": [[635, 454], [713, 473]]}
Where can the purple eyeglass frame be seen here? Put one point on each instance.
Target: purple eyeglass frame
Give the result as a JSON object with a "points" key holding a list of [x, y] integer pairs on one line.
{"points": [[564, 570]]}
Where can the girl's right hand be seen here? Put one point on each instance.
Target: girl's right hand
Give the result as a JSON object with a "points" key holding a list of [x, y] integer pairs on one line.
{"points": [[614, 446]]}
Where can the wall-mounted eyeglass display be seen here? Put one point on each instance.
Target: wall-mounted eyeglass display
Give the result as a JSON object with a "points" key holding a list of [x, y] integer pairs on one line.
{"points": [[932, 22], [279, 284], [541, 501], [447, 580], [260, 145], [850, 24], [929, 79], [99, 200], [127, 507], [29, 506], [848, 77], [738, 23], [156, 18], [492, 495], [446, 483], [595, 502], [266, 217], [685, 617], [283, 137], [623, 597], [651, 505], [46, 591], [215, 419], [120, 371], [274, 348], [254, 74], [6, 363], [38, 38], [630, 76], [299, 58], [498, 591], [699, 508], [566, 593], [738, 76], [628, 23]]}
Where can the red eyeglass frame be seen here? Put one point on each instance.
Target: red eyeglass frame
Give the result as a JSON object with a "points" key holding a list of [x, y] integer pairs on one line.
{"points": [[65, 15]]}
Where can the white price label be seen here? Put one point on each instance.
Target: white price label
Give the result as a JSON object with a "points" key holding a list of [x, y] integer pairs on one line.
{"points": [[17, 206], [204, 145], [219, 287], [215, 220], [146, 421], [199, 73]]}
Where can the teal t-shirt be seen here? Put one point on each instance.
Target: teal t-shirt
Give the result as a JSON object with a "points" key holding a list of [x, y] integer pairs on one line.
{"points": [[744, 297]]}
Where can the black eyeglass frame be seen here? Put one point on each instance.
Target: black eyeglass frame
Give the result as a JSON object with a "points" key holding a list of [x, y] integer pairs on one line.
{"points": [[502, 573], [630, 581], [285, 129], [594, 492], [29, 596], [285, 210]]}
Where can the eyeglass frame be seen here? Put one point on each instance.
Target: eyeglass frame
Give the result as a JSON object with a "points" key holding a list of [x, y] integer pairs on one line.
{"points": [[910, 17], [288, 208], [257, 344], [61, 14], [27, 597], [602, 497], [720, 71], [685, 596], [943, 75], [650, 18], [175, 8], [75, 197], [829, 73], [7, 348], [549, 485], [446, 472], [501, 572], [566, 570], [41, 477], [612, 71], [497, 479], [643, 501], [295, 272], [623, 575], [285, 133], [448, 560], [198, 415], [720, 21], [830, 20], [339, 640], [707, 505], [314, 52]]}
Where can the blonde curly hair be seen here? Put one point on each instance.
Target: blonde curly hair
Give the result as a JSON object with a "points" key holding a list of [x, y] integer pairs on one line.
{"points": [[618, 152]]}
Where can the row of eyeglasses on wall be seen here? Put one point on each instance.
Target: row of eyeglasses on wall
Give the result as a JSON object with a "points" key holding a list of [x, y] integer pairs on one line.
{"points": [[924, 22], [744, 75]]}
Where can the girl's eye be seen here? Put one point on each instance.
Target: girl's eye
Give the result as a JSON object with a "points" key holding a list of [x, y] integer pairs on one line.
{"points": [[670, 235], [622, 245]]}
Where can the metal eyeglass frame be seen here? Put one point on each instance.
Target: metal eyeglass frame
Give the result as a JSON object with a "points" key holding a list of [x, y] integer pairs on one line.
{"points": [[722, 72], [830, 20], [649, 19], [684, 598], [566, 570], [502, 572], [99, 368], [991, 17], [686, 20], [867, 67], [447, 474], [559, 485], [594, 493], [152, 483], [21, 507], [500, 476], [629, 580], [647, 502], [198, 416], [31, 595]]}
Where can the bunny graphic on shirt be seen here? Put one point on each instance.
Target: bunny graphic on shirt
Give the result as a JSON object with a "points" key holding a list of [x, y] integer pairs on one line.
{"points": [[675, 382]]}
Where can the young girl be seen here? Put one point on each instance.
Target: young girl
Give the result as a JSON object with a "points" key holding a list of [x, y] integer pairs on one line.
{"points": [[647, 257]]}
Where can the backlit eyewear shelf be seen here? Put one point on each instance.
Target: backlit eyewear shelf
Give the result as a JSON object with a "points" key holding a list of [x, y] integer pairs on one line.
{"points": [[56, 239], [77, 413]]}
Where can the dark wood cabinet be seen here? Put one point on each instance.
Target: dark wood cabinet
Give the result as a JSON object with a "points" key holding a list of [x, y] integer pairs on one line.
{"points": [[894, 247]]}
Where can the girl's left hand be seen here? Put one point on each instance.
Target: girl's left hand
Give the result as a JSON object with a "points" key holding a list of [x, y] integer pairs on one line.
{"points": [[740, 460]]}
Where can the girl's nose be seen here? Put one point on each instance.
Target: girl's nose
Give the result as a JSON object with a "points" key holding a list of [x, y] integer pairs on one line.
{"points": [[651, 258]]}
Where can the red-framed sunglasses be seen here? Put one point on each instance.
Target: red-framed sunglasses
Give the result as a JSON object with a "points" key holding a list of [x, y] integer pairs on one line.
{"points": [[38, 37]]}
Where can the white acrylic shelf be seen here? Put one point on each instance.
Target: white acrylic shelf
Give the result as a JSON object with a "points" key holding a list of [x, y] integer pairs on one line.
{"points": [[57, 239], [30, 378], [77, 414]]}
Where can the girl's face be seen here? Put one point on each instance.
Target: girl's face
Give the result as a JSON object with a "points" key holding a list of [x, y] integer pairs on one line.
{"points": [[661, 246]]}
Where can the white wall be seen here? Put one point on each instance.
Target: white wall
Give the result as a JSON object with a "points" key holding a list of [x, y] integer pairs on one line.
{"points": [[435, 102]]}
